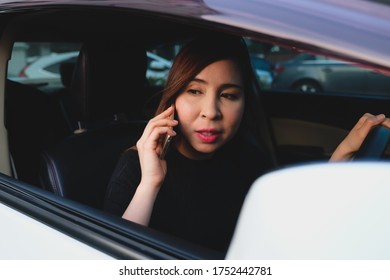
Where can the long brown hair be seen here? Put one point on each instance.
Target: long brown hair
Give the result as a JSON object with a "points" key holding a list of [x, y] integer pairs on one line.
{"points": [[201, 52]]}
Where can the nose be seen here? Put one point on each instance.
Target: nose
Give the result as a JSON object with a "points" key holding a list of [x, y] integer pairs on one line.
{"points": [[211, 108]]}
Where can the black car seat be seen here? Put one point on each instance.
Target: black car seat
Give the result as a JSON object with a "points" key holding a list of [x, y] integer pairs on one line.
{"points": [[105, 97], [33, 121]]}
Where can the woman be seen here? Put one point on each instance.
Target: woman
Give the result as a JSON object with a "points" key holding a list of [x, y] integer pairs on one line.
{"points": [[218, 150]]}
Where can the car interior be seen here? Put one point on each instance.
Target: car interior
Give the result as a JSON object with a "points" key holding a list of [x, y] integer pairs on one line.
{"points": [[66, 140]]}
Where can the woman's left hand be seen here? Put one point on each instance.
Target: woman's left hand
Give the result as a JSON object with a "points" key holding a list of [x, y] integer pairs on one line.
{"points": [[351, 144]]}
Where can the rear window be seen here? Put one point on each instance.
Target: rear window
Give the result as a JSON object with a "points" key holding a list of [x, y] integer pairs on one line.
{"points": [[39, 63]]}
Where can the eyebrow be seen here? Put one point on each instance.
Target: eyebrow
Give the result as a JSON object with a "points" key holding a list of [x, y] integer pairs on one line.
{"points": [[223, 86]]}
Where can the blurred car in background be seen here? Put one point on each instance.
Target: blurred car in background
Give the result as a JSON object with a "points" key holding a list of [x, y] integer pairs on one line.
{"points": [[157, 69], [42, 70], [263, 70], [315, 73]]}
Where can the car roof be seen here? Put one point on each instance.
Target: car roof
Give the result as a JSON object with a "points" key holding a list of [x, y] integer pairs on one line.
{"points": [[324, 24]]}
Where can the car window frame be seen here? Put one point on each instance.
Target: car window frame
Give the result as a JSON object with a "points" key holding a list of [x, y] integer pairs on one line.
{"points": [[114, 236]]}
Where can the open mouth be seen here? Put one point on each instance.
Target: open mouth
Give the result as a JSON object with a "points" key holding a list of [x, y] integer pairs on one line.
{"points": [[208, 136]]}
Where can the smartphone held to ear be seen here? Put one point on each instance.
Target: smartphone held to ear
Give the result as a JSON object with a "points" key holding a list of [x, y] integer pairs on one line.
{"points": [[167, 141]]}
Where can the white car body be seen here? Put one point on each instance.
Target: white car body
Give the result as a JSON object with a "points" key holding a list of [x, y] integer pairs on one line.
{"points": [[337, 211], [274, 223], [37, 241]]}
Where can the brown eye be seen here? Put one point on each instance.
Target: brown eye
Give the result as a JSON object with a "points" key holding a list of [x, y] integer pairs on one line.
{"points": [[194, 91], [230, 96]]}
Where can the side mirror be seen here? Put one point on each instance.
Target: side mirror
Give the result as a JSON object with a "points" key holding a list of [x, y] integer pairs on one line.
{"points": [[319, 211]]}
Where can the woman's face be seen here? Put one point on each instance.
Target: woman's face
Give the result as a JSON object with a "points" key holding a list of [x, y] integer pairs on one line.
{"points": [[210, 109]]}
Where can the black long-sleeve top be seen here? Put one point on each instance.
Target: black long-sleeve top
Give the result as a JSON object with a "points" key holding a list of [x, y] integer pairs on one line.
{"points": [[200, 200]]}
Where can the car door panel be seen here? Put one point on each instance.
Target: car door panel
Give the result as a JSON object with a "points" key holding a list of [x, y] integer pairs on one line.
{"points": [[309, 127], [298, 140]]}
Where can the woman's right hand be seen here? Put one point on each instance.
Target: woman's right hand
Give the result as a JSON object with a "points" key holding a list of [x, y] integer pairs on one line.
{"points": [[149, 148]]}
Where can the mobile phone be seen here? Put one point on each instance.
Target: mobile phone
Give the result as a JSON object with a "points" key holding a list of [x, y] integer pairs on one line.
{"points": [[167, 141]]}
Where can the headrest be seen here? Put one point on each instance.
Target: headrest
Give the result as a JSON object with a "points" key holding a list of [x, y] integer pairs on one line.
{"points": [[107, 78]]}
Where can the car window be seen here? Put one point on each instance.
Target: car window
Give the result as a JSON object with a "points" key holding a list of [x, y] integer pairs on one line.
{"points": [[55, 67], [159, 62], [39, 63], [283, 69], [309, 57], [276, 68]]}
